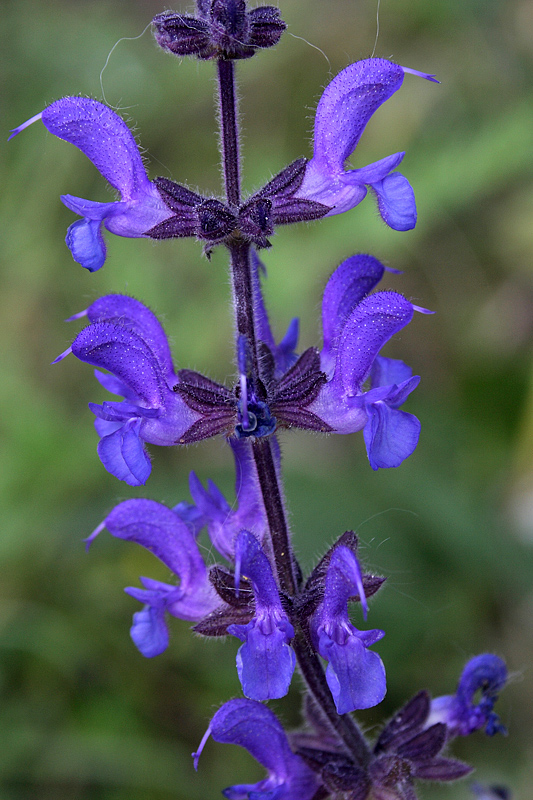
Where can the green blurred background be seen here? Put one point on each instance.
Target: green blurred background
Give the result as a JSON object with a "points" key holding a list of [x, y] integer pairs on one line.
{"points": [[82, 714]]}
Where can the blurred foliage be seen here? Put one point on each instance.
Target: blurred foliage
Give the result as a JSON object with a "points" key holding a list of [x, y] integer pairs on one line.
{"points": [[83, 715]]}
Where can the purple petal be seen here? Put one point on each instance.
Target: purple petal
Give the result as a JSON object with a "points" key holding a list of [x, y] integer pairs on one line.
{"points": [[103, 137], [105, 427], [123, 353], [372, 323], [149, 631], [386, 371], [155, 593], [225, 521], [486, 673], [355, 675], [471, 708], [191, 516], [122, 412], [396, 202], [253, 726], [333, 190], [348, 285], [340, 402], [210, 502], [85, 241], [265, 663], [264, 331], [90, 209], [251, 512], [284, 353], [133, 314], [372, 173], [346, 190], [107, 141], [251, 562], [133, 218], [123, 455], [342, 114], [390, 435], [216, 513], [163, 533], [113, 385], [343, 580], [346, 106]]}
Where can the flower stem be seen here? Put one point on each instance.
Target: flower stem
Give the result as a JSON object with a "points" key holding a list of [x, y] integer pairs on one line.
{"points": [[243, 297], [229, 130], [288, 570]]}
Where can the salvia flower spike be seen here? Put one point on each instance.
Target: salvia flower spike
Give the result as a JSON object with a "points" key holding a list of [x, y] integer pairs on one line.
{"points": [[247, 583]]}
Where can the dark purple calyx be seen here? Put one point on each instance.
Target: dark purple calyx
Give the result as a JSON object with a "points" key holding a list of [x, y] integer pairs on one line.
{"points": [[313, 593], [223, 29], [285, 208], [207, 218], [213, 401], [214, 222], [337, 771]]}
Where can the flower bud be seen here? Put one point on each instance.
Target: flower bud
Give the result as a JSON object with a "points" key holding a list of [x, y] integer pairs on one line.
{"points": [[222, 29]]}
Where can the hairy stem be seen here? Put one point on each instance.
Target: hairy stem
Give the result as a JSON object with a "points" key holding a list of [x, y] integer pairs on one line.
{"points": [[229, 130], [243, 296], [287, 567], [277, 521]]}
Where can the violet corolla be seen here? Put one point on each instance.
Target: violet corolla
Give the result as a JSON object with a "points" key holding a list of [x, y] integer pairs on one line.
{"points": [[126, 339], [355, 674], [343, 112], [471, 707], [355, 328], [106, 140], [163, 533], [255, 727], [211, 509], [265, 662]]}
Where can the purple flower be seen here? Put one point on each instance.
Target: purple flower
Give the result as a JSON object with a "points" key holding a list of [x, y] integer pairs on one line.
{"points": [[355, 675], [356, 327], [343, 112], [108, 142], [163, 533], [213, 510], [256, 728], [265, 662], [126, 338], [471, 707]]}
